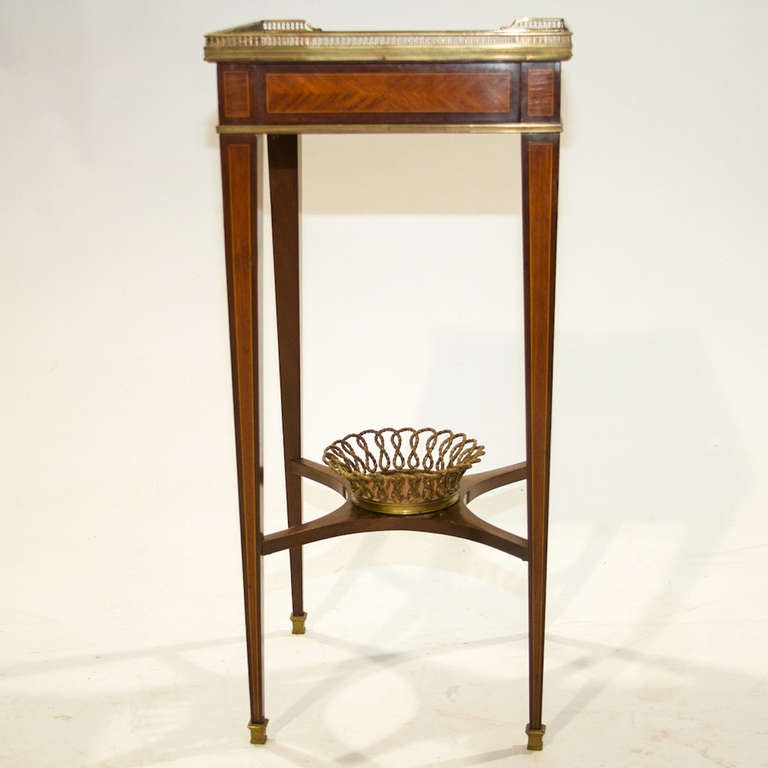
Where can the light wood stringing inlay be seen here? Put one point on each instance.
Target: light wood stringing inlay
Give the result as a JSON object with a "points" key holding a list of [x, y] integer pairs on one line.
{"points": [[540, 223]]}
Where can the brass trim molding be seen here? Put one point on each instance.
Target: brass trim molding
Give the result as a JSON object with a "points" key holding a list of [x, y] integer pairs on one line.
{"points": [[525, 39], [395, 128]]}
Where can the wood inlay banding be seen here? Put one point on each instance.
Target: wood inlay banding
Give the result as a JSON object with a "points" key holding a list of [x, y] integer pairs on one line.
{"points": [[337, 92], [236, 97]]}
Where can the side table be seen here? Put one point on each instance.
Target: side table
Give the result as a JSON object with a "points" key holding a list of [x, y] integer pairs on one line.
{"points": [[284, 78]]}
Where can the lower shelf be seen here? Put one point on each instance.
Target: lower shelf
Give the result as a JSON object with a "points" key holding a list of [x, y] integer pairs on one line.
{"points": [[457, 520]]}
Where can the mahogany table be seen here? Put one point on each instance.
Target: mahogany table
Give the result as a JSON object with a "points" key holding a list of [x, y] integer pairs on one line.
{"points": [[285, 78]]}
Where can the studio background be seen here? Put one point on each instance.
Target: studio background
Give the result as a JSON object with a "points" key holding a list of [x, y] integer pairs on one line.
{"points": [[121, 622]]}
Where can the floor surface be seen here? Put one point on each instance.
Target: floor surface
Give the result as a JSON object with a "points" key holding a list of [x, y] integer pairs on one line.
{"points": [[415, 655]]}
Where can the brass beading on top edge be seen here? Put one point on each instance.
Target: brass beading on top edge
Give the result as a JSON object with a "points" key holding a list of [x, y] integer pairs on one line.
{"points": [[525, 39]]}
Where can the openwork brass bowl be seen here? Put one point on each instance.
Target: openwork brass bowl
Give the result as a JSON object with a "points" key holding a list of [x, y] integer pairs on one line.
{"points": [[403, 471]]}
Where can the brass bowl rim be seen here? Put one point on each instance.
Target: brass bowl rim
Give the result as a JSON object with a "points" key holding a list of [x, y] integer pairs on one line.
{"points": [[406, 507]]}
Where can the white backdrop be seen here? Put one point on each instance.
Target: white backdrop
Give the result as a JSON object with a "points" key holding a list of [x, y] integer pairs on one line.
{"points": [[121, 630]]}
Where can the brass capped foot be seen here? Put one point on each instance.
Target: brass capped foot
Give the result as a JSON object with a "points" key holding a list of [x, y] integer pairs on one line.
{"points": [[258, 732], [298, 624], [535, 737]]}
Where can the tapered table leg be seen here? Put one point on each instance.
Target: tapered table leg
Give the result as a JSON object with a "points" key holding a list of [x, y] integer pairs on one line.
{"points": [[284, 175], [540, 154], [240, 175]]}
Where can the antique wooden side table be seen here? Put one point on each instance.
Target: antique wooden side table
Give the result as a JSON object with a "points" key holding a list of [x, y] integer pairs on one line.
{"points": [[284, 78]]}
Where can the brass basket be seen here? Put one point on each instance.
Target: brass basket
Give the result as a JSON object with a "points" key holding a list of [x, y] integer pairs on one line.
{"points": [[403, 471]]}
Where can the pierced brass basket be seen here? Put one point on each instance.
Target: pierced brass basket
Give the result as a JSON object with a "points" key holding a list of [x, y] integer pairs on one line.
{"points": [[403, 471]]}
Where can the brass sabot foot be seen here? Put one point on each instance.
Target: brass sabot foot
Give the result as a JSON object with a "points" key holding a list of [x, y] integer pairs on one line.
{"points": [[258, 732], [535, 737], [298, 624]]}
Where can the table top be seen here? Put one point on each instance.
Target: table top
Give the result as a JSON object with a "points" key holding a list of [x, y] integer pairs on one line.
{"points": [[525, 39]]}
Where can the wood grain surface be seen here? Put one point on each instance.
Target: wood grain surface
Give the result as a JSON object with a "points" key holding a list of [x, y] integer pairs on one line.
{"points": [[236, 90], [541, 92], [366, 92]]}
